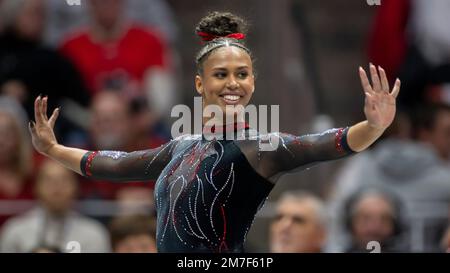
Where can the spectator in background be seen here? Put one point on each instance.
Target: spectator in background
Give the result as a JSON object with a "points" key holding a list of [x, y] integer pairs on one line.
{"points": [[27, 68], [432, 126], [121, 124], [299, 225], [118, 125], [410, 38], [427, 66], [53, 223], [111, 125], [133, 234], [15, 158], [374, 214], [416, 170], [135, 200], [115, 53], [63, 18], [388, 40]]}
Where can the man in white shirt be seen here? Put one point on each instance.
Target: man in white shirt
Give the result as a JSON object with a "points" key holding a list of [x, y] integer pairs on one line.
{"points": [[53, 223]]}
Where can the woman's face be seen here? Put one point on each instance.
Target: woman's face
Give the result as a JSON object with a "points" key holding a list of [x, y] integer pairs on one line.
{"points": [[227, 78]]}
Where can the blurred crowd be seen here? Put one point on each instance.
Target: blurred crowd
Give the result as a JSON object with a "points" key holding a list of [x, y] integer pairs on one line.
{"points": [[110, 65]]}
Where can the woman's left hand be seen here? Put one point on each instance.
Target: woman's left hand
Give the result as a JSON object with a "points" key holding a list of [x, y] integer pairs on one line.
{"points": [[379, 105]]}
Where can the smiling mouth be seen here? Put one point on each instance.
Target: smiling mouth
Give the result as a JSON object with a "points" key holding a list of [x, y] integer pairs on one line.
{"points": [[230, 99]]}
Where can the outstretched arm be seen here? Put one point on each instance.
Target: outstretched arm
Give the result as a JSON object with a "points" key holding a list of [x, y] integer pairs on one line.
{"points": [[111, 165], [379, 109], [294, 153]]}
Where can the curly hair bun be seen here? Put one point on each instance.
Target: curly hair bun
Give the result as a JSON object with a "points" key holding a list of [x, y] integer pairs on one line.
{"points": [[221, 24]]}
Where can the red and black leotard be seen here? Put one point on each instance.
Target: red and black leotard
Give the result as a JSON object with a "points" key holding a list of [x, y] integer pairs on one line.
{"points": [[208, 191]]}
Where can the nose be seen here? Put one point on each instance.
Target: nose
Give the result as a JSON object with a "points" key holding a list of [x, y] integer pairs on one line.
{"points": [[284, 223], [232, 83]]}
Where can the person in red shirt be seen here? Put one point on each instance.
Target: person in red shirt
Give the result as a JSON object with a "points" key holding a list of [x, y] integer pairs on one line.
{"points": [[388, 41], [113, 52]]}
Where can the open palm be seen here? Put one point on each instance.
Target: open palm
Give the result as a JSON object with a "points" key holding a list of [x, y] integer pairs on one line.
{"points": [[379, 105], [42, 134]]}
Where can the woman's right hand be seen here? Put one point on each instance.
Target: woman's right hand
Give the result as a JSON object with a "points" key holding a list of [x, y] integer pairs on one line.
{"points": [[42, 134]]}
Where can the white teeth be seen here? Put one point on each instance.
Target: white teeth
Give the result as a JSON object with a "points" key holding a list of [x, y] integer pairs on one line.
{"points": [[230, 97]]}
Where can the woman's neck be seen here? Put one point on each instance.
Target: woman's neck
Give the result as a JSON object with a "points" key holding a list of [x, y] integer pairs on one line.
{"points": [[230, 129]]}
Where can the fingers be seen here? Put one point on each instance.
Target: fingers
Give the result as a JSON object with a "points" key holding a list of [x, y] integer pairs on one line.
{"points": [[379, 80], [365, 81], [396, 88], [37, 113], [44, 102], [41, 114], [53, 117], [375, 79], [44, 108], [40, 109], [32, 128], [384, 80]]}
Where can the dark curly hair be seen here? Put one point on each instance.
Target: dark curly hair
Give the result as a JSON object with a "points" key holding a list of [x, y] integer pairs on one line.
{"points": [[220, 24]]}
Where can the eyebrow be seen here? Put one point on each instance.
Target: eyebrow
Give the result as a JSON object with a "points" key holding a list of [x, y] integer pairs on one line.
{"points": [[223, 68]]}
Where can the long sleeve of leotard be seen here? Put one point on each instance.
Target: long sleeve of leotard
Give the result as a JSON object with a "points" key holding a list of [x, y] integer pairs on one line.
{"points": [[294, 153], [123, 166]]}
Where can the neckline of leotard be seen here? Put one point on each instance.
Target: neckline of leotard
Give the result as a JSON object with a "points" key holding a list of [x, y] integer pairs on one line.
{"points": [[223, 129]]}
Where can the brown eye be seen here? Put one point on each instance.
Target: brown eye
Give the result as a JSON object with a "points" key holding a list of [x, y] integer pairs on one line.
{"points": [[242, 75], [220, 75]]}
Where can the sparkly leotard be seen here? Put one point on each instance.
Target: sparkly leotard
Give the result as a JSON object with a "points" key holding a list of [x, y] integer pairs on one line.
{"points": [[208, 192]]}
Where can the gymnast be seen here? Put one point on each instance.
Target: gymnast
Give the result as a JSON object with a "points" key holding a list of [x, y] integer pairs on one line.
{"points": [[209, 186]]}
